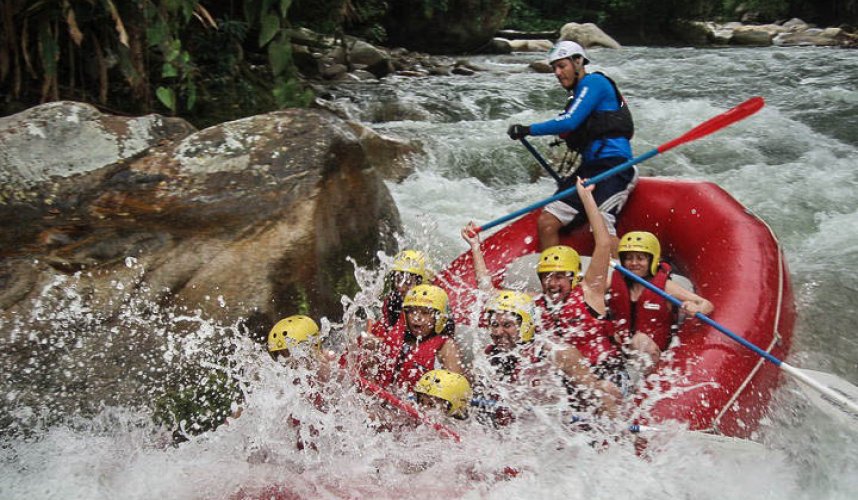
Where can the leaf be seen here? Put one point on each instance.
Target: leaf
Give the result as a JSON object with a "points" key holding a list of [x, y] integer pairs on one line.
{"points": [[49, 50], [204, 16], [280, 57], [120, 26], [191, 94], [174, 49], [167, 98], [284, 7], [168, 71], [156, 34], [270, 27], [74, 30]]}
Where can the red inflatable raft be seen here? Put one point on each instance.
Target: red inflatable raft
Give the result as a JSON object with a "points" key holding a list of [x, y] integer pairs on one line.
{"points": [[732, 258]]}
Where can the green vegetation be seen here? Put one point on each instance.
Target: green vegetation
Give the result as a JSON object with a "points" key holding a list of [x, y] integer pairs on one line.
{"points": [[212, 61], [199, 403], [139, 56], [649, 17]]}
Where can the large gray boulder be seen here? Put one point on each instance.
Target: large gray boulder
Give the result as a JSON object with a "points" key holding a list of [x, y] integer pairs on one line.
{"points": [[588, 35], [756, 36], [531, 45], [63, 139], [108, 262], [828, 37], [264, 209]]}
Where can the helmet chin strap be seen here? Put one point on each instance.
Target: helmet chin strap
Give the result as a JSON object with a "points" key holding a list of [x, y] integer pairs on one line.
{"points": [[579, 72]]}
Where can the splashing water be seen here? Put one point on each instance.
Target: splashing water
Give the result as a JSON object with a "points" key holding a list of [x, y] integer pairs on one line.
{"points": [[78, 410]]}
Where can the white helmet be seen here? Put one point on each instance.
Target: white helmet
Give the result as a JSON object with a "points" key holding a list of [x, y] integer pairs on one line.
{"points": [[564, 49]]}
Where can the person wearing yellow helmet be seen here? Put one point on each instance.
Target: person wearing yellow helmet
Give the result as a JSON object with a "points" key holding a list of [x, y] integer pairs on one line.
{"points": [[508, 317], [422, 340], [297, 340], [291, 332], [516, 357], [596, 126], [572, 309], [408, 270], [643, 320], [445, 390]]}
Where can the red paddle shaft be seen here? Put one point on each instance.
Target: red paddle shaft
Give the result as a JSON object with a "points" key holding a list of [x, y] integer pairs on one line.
{"points": [[407, 408]]}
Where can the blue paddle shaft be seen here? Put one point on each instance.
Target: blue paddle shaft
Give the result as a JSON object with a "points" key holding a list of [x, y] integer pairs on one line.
{"points": [[567, 192], [702, 317], [619, 168], [541, 160]]}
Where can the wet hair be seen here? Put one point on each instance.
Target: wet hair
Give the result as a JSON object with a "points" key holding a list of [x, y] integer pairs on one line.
{"points": [[449, 328], [393, 307]]}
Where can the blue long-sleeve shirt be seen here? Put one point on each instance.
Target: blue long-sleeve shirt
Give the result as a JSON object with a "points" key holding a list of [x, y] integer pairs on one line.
{"points": [[594, 92]]}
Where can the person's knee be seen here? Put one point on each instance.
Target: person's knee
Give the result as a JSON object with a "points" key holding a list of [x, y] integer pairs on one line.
{"points": [[549, 227], [548, 221]]}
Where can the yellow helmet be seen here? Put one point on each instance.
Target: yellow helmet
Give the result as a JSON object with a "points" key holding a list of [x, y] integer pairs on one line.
{"points": [[429, 296], [517, 303], [560, 258], [291, 331], [449, 386], [641, 241], [411, 261]]}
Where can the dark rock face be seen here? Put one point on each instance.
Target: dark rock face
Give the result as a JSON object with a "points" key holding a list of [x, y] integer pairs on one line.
{"points": [[275, 200], [464, 26], [241, 223]]}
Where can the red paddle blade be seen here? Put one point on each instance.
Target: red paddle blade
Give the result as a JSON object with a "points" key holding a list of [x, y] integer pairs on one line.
{"points": [[716, 123]]}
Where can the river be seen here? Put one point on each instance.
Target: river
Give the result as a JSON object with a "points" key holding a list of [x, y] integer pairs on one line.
{"points": [[793, 164]]}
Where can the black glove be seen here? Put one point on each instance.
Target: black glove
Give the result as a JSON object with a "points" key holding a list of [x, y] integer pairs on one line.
{"points": [[516, 132]]}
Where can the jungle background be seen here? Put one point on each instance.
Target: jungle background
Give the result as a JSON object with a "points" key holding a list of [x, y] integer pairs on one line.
{"points": [[210, 61]]}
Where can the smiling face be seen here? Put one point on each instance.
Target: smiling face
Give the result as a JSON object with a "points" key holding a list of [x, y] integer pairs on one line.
{"points": [[505, 330], [556, 286], [637, 262], [420, 321]]}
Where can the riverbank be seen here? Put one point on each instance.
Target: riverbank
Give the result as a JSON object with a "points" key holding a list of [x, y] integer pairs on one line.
{"points": [[791, 33]]}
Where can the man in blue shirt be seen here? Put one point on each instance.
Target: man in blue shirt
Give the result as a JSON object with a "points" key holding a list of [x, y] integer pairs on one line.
{"points": [[596, 125]]}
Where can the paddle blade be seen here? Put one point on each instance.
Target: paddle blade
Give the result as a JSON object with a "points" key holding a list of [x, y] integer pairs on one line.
{"points": [[843, 408], [716, 123]]}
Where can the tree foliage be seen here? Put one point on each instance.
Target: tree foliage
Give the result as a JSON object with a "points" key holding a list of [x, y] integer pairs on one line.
{"points": [[139, 55], [206, 56], [652, 16]]}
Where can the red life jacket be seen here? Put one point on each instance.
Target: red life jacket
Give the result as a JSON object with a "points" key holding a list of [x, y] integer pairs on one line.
{"points": [[382, 326], [654, 316], [405, 364], [574, 322]]}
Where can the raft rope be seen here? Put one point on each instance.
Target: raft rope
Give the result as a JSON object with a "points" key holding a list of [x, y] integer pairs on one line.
{"points": [[776, 337]]}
